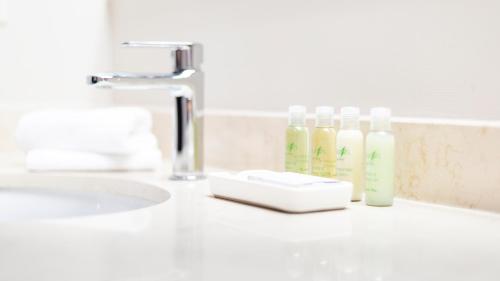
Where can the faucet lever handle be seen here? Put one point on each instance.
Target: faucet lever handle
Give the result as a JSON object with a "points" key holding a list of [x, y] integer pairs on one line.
{"points": [[187, 55], [158, 44]]}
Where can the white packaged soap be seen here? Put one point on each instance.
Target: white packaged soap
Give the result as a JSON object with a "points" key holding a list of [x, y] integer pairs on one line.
{"points": [[289, 192]]}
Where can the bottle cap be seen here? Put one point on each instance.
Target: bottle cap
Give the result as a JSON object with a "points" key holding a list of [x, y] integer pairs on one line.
{"points": [[349, 117], [324, 116], [297, 115], [380, 119]]}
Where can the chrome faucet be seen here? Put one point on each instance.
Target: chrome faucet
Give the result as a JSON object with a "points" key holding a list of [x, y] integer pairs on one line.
{"points": [[185, 84]]}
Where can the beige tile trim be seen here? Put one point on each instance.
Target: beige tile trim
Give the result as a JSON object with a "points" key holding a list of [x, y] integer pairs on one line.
{"points": [[454, 164]]}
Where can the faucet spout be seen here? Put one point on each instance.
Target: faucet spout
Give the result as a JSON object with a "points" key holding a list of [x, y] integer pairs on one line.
{"points": [[185, 83], [138, 81]]}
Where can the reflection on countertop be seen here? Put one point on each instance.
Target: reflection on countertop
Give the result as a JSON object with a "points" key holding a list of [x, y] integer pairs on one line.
{"points": [[193, 236]]}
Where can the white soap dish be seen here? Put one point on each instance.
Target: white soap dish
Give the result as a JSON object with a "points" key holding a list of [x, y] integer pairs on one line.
{"points": [[288, 192]]}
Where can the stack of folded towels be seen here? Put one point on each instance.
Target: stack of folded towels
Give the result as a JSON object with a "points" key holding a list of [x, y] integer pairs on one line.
{"points": [[89, 140]]}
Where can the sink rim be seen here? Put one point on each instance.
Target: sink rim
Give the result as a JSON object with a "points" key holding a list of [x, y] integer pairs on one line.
{"points": [[86, 184]]}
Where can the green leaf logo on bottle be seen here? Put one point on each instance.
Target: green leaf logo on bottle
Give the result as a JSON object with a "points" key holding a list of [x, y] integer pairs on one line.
{"points": [[291, 147], [343, 152], [319, 151], [374, 155]]}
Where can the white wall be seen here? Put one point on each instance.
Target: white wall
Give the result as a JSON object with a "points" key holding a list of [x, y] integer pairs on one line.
{"points": [[426, 58], [46, 50]]}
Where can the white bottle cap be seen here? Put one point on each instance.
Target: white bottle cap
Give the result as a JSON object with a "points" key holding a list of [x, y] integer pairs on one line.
{"points": [[324, 116], [297, 115], [380, 119], [349, 117]]}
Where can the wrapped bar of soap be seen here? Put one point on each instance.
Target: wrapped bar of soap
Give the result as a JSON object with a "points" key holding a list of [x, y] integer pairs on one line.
{"points": [[285, 191]]}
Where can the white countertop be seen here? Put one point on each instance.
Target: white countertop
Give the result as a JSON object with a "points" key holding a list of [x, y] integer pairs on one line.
{"points": [[196, 237]]}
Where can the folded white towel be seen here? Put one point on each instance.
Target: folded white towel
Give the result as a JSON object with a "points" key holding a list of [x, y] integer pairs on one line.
{"points": [[62, 160], [120, 130]]}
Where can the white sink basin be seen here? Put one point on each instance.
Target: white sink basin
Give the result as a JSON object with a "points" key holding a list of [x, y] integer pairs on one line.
{"points": [[35, 197]]}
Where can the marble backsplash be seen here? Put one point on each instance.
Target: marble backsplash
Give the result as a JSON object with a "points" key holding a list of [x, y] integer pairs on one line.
{"points": [[445, 163], [454, 163]]}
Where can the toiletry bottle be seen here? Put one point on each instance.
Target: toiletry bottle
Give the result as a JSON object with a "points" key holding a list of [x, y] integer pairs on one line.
{"points": [[350, 151], [324, 136], [379, 152], [297, 141]]}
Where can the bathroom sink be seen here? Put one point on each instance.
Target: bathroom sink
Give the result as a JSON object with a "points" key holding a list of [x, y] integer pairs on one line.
{"points": [[35, 197]]}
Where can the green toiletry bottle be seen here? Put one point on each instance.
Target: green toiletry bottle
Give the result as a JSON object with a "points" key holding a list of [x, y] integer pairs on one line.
{"points": [[379, 157], [324, 153], [297, 141]]}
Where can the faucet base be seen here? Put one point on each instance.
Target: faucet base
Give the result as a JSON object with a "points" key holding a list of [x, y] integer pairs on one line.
{"points": [[187, 177]]}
